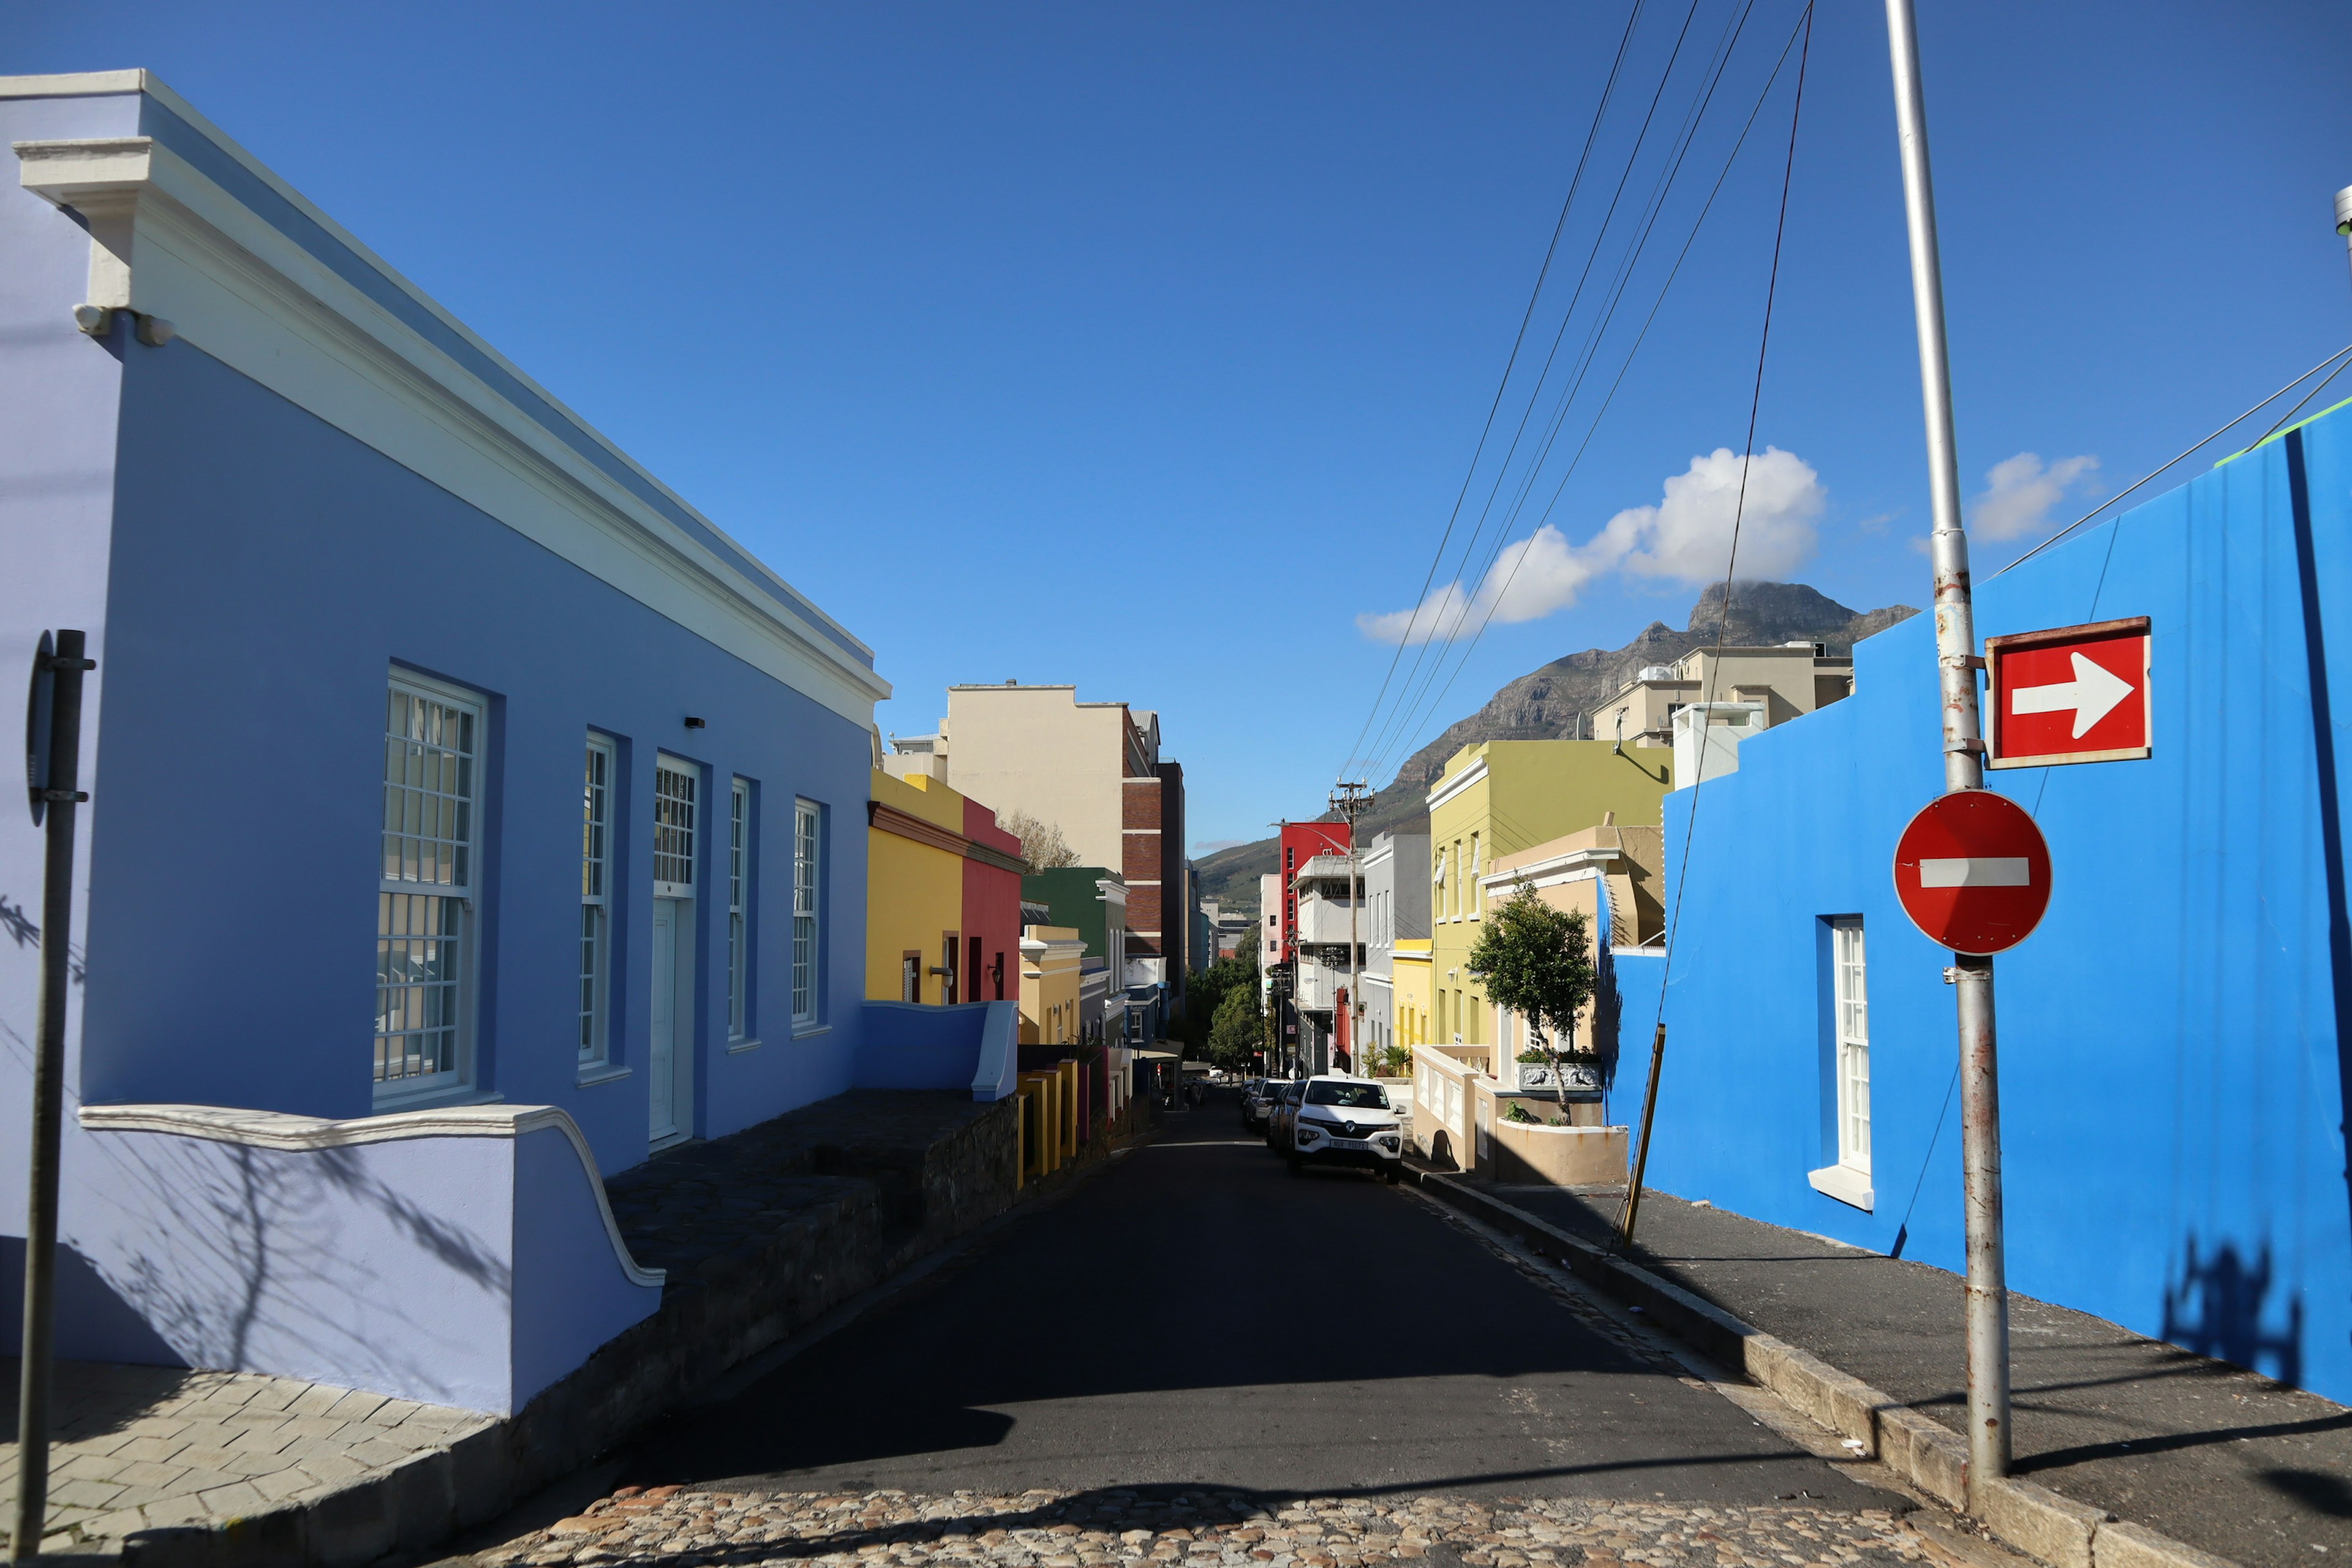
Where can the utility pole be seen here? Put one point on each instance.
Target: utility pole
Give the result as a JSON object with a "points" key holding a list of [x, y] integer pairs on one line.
{"points": [[1958, 662], [1349, 800]]}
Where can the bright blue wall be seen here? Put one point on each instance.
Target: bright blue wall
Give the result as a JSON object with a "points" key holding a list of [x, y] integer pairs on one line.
{"points": [[266, 569], [2172, 1075]]}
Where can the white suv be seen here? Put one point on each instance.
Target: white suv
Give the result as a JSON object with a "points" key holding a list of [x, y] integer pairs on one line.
{"points": [[1342, 1121]]}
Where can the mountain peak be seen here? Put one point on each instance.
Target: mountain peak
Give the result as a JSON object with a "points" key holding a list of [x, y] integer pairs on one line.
{"points": [[1552, 703]]}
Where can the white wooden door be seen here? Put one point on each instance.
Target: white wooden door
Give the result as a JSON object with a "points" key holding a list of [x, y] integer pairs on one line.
{"points": [[668, 1043]]}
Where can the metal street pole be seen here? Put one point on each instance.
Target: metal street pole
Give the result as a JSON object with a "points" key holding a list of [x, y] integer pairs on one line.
{"points": [[1350, 802], [55, 783], [1957, 663]]}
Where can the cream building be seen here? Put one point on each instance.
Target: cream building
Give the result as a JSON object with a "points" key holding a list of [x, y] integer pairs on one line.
{"points": [[1787, 683], [1050, 983]]}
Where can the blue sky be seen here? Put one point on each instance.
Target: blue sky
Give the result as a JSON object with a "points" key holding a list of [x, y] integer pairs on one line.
{"points": [[1145, 346]]}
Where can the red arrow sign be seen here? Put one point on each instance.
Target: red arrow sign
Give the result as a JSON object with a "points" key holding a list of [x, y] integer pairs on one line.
{"points": [[2073, 694], [1973, 872]]}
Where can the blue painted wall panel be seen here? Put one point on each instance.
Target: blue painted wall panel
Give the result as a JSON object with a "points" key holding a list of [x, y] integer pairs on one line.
{"points": [[266, 569], [2170, 1067]]}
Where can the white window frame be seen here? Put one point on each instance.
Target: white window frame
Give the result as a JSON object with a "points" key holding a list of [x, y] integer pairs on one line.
{"points": [[739, 912], [446, 897], [1848, 1180], [599, 787], [1478, 863], [808, 914], [676, 844], [1849, 983]]}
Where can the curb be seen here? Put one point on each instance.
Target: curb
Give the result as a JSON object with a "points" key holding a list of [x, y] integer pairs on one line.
{"points": [[2022, 1515]]}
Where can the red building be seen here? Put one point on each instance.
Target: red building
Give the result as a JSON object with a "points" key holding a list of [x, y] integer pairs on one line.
{"points": [[1301, 842], [991, 909]]}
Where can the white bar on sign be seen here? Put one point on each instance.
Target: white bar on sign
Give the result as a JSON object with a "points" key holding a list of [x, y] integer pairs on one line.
{"points": [[1976, 871]]}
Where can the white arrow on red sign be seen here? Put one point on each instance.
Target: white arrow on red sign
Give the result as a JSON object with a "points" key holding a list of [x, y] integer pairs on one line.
{"points": [[2092, 695], [2071, 694]]}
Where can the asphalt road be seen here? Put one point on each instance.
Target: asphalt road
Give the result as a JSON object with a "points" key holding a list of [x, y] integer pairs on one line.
{"points": [[1195, 1315]]}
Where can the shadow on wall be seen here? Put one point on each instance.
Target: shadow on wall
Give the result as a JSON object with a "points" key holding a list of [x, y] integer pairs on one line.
{"points": [[240, 1259], [2215, 1308]]}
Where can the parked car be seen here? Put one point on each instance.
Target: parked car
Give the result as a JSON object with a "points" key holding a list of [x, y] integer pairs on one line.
{"points": [[1254, 1098], [1342, 1121], [1280, 1106]]}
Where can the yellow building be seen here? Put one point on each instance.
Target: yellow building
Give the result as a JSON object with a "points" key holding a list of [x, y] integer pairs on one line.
{"points": [[1492, 801], [914, 888], [1409, 977], [1049, 985]]}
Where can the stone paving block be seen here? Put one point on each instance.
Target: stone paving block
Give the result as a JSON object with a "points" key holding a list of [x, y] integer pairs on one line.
{"points": [[152, 1474], [379, 1451], [282, 1486], [233, 1501], [78, 1464], [328, 1467], [152, 1449], [95, 1496], [315, 1400], [355, 1405], [276, 1395], [116, 1525]]}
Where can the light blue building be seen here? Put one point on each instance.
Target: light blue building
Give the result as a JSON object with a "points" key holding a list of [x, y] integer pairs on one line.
{"points": [[2173, 1039], [470, 815]]}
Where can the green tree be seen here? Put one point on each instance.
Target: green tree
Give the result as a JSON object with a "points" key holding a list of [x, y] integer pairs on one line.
{"points": [[1238, 1032], [1536, 960], [1206, 995]]}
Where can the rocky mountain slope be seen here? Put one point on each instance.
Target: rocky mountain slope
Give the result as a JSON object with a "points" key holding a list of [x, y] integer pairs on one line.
{"points": [[1550, 703]]}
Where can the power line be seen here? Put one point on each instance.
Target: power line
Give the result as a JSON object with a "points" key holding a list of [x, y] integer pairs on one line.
{"points": [[1576, 181], [1723, 621], [1422, 704], [2344, 353], [1407, 705]]}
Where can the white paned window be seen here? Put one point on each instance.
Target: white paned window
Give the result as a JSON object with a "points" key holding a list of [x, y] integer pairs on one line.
{"points": [[596, 912], [424, 895], [1476, 865], [739, 878], [1853, 1044], [806, 885], [673, 791]]}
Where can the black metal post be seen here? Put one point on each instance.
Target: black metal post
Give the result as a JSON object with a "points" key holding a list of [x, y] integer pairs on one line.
{"points": [[54, 785]]}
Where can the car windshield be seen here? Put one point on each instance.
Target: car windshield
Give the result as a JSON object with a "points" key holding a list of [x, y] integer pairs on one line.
{"points": [[1361, 1096]]}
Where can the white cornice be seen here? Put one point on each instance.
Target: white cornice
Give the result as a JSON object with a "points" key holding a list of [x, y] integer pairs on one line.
{"points": [[1450, 788], [168, 242], [311, 1134], [1574, 866]]}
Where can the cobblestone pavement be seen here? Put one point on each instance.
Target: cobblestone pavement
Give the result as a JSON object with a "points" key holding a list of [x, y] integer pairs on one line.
{"points": [[670, 1525]]}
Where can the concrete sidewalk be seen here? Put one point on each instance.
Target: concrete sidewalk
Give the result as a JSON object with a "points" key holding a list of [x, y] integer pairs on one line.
{"points": [[2207, 1452]]}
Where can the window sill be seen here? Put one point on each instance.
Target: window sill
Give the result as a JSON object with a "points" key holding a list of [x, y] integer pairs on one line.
{"points": [[737, 1048], [603, 1072], [809, 1031], [441, 1099], [1845, 1184]]}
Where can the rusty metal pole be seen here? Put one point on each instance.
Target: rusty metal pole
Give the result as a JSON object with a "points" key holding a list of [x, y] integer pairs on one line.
{"points": [[1641, 1156], [1958, 662]]}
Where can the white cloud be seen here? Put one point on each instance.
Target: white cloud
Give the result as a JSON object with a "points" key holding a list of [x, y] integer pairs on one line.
{"points": [[2020, 492], [1686, 538]]}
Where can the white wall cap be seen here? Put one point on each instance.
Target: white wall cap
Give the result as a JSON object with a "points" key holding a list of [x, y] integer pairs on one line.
{"points": [[306, 1134]]}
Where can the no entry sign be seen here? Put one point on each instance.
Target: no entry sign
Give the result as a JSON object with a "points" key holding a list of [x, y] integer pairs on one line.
{"points": [[1973, 872], [2073, 694]]}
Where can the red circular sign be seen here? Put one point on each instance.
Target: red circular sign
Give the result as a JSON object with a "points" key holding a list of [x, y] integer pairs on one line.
{"points": [[1973, 872]]}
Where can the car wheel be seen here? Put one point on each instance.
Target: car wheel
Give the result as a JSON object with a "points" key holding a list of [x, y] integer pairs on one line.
{"points": [[1390, 1173]]}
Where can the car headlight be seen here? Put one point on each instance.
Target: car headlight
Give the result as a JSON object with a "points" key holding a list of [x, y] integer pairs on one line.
{"points": [[1309, 1132]]}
